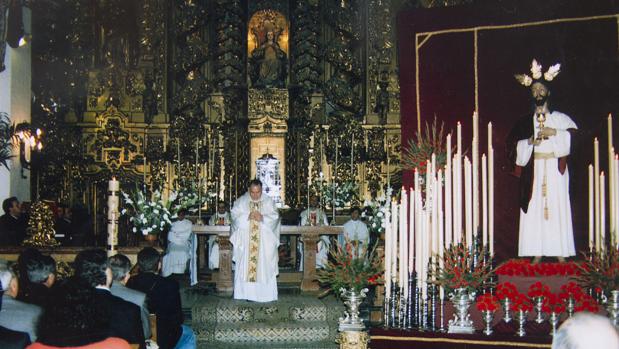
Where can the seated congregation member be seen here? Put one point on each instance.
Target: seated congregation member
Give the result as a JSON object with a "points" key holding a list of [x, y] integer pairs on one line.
{"points": [[16, 315], [164, 300], [179, 246], [41, 272], [12, 223], [121, 266], [125, 319], [64, 225], [10, 339], [76, 319], [355, 231], [26, 255], [586, 331]]}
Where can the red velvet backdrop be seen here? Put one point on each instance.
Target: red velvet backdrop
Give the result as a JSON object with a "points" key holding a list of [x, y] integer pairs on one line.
{"points": [[509, 34]]}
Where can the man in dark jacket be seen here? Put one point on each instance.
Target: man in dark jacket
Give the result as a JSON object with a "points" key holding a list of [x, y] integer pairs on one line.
{"points": [[12, 224], [92, 267], [164, 300]]}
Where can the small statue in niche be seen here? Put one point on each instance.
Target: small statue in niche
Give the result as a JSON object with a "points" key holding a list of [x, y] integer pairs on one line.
{"points": [[268, 62], [382, 97], [149, 100]]}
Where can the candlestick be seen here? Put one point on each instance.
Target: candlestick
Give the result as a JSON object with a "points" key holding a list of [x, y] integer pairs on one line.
{"points": [[591, 209], [403, 239], [469, 202], [475, 173], [596, 170], [197, 156], [490, 191], [616, 188], [448, 201], [484, 200], [611, 174], [388, 165], [458, 187], [602, 212]]}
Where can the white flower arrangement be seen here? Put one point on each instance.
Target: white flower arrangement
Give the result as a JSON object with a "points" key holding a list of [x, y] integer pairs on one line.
{"points": [[189, 199], [147, 216], [340, 195], [375, 210]]}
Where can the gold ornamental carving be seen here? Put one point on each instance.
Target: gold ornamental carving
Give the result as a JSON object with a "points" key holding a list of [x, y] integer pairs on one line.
{"points": [[353, 340], [268, 111]]}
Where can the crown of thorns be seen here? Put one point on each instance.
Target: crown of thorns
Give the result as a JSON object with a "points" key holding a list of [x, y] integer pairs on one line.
{"points": [[536, 73]]}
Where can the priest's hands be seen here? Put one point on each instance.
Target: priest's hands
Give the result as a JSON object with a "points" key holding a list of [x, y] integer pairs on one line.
{"points": [[256, 216]]}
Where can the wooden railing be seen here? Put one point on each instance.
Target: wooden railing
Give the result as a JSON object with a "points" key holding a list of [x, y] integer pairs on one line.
{"points": [[309, 236]]}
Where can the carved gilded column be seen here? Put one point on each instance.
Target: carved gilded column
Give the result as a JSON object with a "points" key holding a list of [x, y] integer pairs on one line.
{"points": [[224, 278]]}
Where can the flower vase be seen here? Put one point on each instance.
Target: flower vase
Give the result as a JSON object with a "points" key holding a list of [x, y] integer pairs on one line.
{"points": [[569, 308], [461, 323], [352, 301], [487, 316], [612, 307], [521, 317], [507, 304], [539, 314], [151, 240], [554, 321]]}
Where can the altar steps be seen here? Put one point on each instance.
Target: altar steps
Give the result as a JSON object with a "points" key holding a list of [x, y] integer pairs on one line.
{"points": [[294, 321]]}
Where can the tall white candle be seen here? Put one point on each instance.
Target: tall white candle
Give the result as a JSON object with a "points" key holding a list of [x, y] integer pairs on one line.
{"points": [[403, 261], [394, 241], [611, 174], [434, 217], [602, 212], [458, 185], [448, 201], [411, 228], [484, 199], [468, 209], [616, 187], [388, 246], [441, 245], [596, 184], [475, 173], [490, 191], [591, 209]]}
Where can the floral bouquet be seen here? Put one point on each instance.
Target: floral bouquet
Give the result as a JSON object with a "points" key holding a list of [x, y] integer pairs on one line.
{"points": [[600, 272], [487, 302], [538, 290], [553, 303], [350, 269], [420, 148], [374, 212], [187, 198], [459, 271], [522, 302], [148, 216], [342, 194], [523, 267], [506, 290]]}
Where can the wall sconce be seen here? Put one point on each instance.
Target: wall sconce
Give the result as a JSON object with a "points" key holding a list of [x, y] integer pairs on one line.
{"points": [[28, 141]]}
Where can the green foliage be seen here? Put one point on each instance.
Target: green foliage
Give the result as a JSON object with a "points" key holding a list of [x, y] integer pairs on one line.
{"points": [[421, 147], [6, 144], [458, 269], [600, 272]]}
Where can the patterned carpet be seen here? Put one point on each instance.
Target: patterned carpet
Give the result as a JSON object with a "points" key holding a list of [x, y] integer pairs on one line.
{"points": [[294, 321]]}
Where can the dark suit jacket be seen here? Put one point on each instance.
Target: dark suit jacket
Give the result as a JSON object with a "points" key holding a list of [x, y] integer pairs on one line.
{"points": [[37, 294], [10, 339], [164, 300], [12, 231], [125, 320]]}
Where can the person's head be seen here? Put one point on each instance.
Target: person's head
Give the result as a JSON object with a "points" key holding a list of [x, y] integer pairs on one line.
{"points": [[255, 189], [586, 330], [67, 213], [42, 270], [92, 266], [314, 202], [60, 210], [540, 93], [9, 283], [270, 36], [75, 317], [355, 213], [120, 265], [222, 207], [11, 206], [149, 260], [181, 214]]}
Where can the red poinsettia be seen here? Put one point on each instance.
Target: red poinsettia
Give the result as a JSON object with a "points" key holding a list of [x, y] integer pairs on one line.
{"points": [[587, 303], [553, 304], [538, 290], [571, 289], [487, 302], [523, 267], [521, 302], [506, 290]]}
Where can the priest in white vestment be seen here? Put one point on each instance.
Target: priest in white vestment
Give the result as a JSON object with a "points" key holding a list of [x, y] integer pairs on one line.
{"points": [[315, 216], [355, 231], [540, 155], [255, 238], [221, 217], [179, 246]]}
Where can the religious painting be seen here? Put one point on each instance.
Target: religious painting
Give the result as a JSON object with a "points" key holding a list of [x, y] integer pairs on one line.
{"points": [[267, 44]]}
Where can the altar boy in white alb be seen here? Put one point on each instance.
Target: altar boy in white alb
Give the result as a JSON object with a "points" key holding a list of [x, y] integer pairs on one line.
{"points": [[255, 238], [539, 145]]}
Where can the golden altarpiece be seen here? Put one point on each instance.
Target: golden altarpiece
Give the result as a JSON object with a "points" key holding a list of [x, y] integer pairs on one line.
{"points": [[213, 93]]}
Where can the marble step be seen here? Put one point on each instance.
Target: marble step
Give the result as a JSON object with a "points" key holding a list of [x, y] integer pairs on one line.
{"points": [[262, 333]]}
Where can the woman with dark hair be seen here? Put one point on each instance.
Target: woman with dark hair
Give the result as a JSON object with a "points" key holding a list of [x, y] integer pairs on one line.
{"points": [[75, 320]]}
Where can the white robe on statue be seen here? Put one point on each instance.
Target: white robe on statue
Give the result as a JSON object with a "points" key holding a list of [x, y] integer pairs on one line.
{"points": [[551, 234], [255, 276], [355, 231], [213, 245], [179, 248], [322, 248]]}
